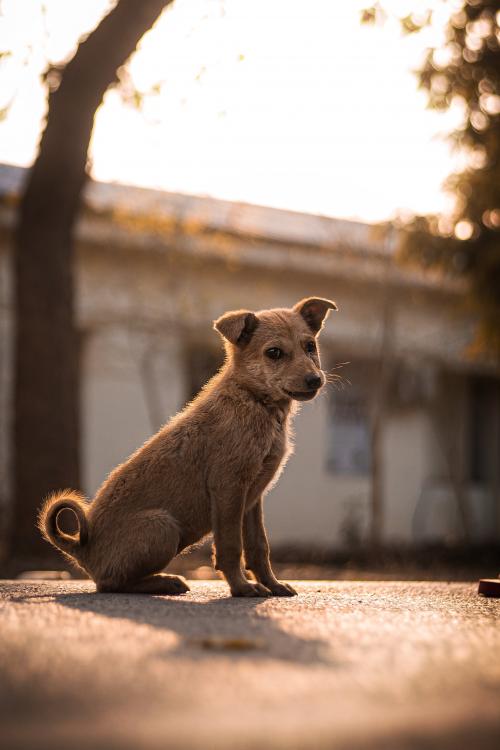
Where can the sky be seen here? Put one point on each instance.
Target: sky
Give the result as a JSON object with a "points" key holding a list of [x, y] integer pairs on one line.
{"points": [[287, 103]]}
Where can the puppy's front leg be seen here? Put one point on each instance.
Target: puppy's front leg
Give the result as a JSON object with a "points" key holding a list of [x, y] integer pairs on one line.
{"points": [[227, 523], [257, 552]]}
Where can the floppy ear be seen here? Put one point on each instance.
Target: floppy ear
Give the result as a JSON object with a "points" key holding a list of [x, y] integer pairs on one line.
{"points": [[237, 327], [314, 311]]}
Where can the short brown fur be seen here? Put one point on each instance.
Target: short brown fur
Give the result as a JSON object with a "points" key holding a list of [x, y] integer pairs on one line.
{"points": [[208, 469]]}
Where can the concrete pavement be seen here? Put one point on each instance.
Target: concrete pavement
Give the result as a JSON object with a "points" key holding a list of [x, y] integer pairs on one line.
{"points": [[343, 665]]}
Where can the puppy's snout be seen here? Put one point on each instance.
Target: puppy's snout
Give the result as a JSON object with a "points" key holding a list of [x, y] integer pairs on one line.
{"points": [[313, 382]]}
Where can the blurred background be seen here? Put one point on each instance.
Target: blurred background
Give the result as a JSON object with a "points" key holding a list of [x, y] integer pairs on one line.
{"points": [[163, 162]]}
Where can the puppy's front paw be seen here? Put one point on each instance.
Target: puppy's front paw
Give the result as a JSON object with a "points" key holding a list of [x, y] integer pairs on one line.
{"points": [[250, 589], [281, 589]]}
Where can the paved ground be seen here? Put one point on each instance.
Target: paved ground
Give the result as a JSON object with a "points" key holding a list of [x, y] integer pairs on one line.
{"points": [[344, 665]]}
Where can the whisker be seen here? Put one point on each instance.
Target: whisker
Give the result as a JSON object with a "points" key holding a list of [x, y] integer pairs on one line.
{"points": [[339, 382], [333, 376], [339, 365]]}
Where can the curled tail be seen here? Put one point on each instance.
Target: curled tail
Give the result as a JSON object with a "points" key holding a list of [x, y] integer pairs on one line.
{"points": [[47, 522]]}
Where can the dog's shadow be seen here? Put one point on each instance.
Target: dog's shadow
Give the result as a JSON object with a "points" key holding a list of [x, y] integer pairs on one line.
{"points": [[236, 628]]}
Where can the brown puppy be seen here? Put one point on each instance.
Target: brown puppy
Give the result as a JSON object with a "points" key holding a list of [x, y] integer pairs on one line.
{"points": [[208, 469]]}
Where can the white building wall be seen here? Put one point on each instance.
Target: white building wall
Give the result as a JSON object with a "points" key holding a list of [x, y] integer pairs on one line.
{"points": [[311, 505], [131, 302], [121, 406], [407, 465]]}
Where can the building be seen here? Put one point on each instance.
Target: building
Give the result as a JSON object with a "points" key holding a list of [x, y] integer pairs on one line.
{"points": [[412, 412]]}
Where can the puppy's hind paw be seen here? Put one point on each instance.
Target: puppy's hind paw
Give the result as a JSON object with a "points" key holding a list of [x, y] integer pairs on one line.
{"points": [[159, 584], [162, 584], [179, 584]]}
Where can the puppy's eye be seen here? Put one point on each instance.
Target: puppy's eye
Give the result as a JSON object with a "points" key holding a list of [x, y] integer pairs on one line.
{"points": [[310, 347], [274, 353]]}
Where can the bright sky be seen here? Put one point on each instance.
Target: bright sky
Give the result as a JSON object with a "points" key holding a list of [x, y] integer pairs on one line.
{"points": [[289, 103]]}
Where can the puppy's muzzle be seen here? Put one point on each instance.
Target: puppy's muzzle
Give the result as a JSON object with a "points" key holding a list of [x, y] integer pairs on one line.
{"points": [[313, 382], [312, 385]]}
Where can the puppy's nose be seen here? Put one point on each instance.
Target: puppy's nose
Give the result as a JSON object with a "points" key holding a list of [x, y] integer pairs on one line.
{"points": [[313, 382]]}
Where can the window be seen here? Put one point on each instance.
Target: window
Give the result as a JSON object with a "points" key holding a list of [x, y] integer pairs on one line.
{"points": [[484, 429], [349, 442]]}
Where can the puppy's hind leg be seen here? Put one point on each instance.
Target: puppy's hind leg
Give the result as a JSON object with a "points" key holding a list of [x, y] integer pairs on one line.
{"points": [[160, 584], [136, 569]]}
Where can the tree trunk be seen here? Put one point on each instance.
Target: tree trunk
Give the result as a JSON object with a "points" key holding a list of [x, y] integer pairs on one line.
{"points": [[46, 421]]}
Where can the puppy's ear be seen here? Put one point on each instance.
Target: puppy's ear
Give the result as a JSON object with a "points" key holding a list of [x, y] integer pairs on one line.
{"points": [[314, 311], [237, 327]]}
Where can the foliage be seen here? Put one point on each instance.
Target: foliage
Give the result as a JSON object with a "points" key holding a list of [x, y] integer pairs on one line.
{"points": [[464, 70]]}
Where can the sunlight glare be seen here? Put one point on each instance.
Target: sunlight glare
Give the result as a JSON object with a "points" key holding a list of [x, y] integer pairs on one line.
{"points": [[281, 103]]}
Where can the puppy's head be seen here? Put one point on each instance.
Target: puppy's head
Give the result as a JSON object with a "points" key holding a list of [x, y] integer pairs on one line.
{"points": [[275, 352]]}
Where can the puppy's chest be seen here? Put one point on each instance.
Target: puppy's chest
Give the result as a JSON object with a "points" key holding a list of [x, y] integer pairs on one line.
{"points": [[279, 439], [270, 432], [276, 448]]}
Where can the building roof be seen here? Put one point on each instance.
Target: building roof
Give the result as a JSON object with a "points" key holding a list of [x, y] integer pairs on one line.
{"points": [[250, 237], [243, 219], [118, 215]]}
